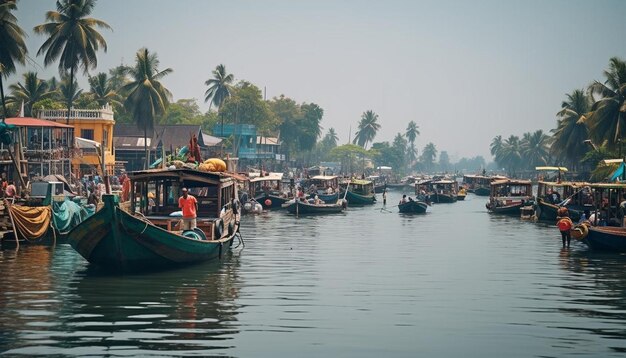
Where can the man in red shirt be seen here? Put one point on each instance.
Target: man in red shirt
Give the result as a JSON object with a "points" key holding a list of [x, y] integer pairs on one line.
{"points": [[189, 204]]}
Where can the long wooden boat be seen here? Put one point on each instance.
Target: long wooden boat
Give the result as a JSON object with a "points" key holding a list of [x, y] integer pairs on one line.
{"points": [[148, 236], [268, 191], [443, 191], [508, 196], [413, 207], [577, 197], [360, 192], [479, 184], [326, 187], [606, 238], [299, 207]]}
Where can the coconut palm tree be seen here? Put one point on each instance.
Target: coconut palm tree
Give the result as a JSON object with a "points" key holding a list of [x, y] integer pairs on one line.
{"points": [[32, 90], [534, 149], [412, 131], [69, 91], [219, 86], [12, 46], [608, 118], [103, 92], [510, 154], [147, 97], [429, 154], [572, 129], [72, 37], [368, 126], [331, 137]]}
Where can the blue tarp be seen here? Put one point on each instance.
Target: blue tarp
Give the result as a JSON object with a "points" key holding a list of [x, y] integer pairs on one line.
{"points": [[619, 173]]}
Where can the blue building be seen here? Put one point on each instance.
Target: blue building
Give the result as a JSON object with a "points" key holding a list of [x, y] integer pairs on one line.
{"points": [[247, 144]]}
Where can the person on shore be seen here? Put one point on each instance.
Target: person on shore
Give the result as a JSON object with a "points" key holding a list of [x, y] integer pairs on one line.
{"points": [[189, 204], [565, 224]]}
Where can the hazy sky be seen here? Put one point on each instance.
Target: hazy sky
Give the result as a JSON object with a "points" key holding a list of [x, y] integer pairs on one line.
{"points": [[465, 71]]}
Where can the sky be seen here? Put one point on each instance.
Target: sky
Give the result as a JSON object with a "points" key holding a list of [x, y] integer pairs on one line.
{"points": [[464, 71]]}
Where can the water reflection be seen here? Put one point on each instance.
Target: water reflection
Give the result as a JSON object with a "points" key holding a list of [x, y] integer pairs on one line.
{"points": [[187, 310]]}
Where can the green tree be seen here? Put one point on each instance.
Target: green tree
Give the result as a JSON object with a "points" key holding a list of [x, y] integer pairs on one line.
{"points": [[219, 86], [429, 154], [32, 90], [12, 46], [147, 97], [444, 161], [348, 154], [69, 91], [246, 105], [510, 154], [496, 148], [412, 131], [571, 129], [102, 90], [534, 148], [608, 114], [72, 37], [183, 111], [331, 137], [368, 127], [118, 77]]}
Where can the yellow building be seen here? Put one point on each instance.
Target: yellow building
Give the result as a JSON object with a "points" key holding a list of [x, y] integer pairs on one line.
{"points": [[93, 124]]}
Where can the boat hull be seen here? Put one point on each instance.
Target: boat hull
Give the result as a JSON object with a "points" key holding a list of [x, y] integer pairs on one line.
{"points": [[513, 209], [114, 239], [413, 207], [275, 202], [606, 238], [358, 199], [548, 212], [442, 198], [329, 198], [482, 191], [300, 208], [460, 197]]}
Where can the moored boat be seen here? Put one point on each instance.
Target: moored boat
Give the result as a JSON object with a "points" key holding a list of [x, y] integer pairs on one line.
{"points": [[326, 187], [360, 192], [149, 236], [299, 207], [461, 194], [443, 191], [413, 207], [508, 196], [268, 190], [551, 196]]}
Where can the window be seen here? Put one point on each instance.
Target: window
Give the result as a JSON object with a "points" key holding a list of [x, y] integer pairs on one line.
{"points": [[86, 133]]}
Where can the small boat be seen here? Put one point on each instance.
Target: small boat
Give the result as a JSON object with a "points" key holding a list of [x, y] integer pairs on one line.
{"points": [[551, 196], [443, 191], [149, 236], [360, 192], [325, 187], [479, 184], [606, 231], [268, 190], [604, 238], [508, 196], [461, 194], [299, 207], [413, 207], [379, 183]]}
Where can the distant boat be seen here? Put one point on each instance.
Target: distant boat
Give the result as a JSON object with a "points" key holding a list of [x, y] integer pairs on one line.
{"points": [[299, 207], [508, 196], [413, 207], [462, 193], [268, 190], [148, 236], [326, 187], [443, 191], [360, 192]]}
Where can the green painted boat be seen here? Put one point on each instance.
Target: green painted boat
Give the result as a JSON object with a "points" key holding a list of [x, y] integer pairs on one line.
{"points": [[360, 192], [298, 207], [115, 239]]}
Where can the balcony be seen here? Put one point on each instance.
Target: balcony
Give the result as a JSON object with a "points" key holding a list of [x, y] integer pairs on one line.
{"points": [[106, 112]]}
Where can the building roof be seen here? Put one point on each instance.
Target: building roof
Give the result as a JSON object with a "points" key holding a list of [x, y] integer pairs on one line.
{"points": [[130, 137], [267, 140], [35, 122]]}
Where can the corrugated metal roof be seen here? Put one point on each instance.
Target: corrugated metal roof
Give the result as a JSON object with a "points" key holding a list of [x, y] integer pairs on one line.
{"points": [[34, 122]]}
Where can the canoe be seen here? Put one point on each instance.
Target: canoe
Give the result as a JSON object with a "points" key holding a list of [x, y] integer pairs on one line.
{"points": [[304, 208], [413, 207]]}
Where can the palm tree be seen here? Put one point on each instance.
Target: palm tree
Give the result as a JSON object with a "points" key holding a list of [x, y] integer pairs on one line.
{"points": [[510, 154], [69, 91], [72, 37], [608, 117], [219, 86], [495, 148], [367, 129], [412, 131], [429, 153], [103, 92], [572, 129], [331, 137], [12, 46], [534, 149], [32, 90], [147, 97]]}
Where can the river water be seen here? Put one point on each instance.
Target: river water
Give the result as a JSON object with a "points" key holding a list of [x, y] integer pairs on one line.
{"points": [[369, 282]]}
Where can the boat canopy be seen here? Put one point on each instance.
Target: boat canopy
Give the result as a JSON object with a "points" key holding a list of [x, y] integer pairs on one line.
{"points": [[360, 182], [269, 177], [511, 182], [324, 177], [561, 169]]}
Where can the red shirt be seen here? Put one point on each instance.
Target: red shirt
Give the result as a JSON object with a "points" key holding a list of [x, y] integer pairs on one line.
{"points": [[188, 205]]}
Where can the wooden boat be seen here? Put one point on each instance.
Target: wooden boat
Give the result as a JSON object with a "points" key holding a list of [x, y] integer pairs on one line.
{"points": [[299, 207], [148, 236], [326, 187], [479, 184], [605, 238], [575, 196], [508, 196], [268, 191], [461, 194], [360, 192], [379, 183], [443, 191], [413, 207]]}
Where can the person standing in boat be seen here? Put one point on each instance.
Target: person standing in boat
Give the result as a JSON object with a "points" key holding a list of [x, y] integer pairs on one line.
{"points": [[189, 205]]}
